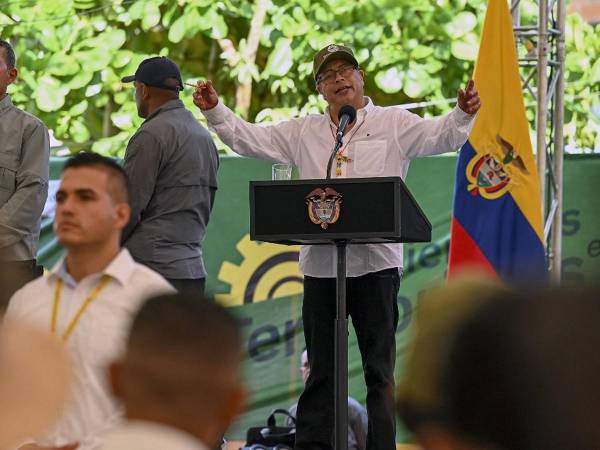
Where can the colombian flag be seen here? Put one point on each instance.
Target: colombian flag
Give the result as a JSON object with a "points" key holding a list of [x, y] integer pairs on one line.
{"points": [[497, 217]]}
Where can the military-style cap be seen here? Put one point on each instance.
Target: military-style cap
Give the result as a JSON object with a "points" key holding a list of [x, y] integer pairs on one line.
{"points": [[329, 53]]}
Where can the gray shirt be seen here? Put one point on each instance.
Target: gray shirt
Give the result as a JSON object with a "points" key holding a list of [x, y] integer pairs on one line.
{"points": [[171, 163], [24, 160]]}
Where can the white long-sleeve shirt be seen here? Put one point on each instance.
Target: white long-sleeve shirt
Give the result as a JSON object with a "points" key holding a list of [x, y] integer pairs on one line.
{"points": [[381, 143], [97, 340]]}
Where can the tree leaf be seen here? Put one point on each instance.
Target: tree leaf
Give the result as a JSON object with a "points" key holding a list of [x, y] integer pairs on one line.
{"points": [[389, 81], [462, 23], [280, 59], [465, 48], [151, 16], [62, 65], [219, 28], [79, 108], [50, 95], [421, 51], [417, 82], [79, 131], [177, 30], [80, 80]]}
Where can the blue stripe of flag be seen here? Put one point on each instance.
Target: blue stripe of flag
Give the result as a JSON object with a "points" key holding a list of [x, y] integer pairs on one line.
{"points": [[498, 227]]}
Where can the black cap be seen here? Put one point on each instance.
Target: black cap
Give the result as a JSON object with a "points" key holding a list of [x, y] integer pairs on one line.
{"points": [[154, 71]]}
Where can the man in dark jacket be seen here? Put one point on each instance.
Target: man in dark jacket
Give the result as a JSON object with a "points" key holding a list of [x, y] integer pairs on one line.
{"points": [[171, 163]]}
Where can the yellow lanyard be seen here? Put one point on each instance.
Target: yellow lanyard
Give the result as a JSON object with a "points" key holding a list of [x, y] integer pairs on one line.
{"points": [[86, 303]]}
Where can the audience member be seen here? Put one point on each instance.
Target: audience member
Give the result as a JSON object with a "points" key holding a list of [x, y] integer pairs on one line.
{"points": [[24, 158], [172, 163], [180, 378], [36, 375], [505, 370], [88, 298], [357, 414]]}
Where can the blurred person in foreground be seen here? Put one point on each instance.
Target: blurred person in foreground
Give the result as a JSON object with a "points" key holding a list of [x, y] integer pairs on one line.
{"points": [[171, 163], [88, 298], [357, 414], [180, 377], [24, 160], [502, 370], [380, 142], [35, 381]]}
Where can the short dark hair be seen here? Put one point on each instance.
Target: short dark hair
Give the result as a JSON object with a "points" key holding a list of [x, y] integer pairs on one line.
{"points": [[90, 159], [182, 349], [185, 321], [9, 53]]}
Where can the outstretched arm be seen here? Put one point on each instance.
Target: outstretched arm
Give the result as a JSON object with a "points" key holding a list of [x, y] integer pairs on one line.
{"points": [[275, 142], [417, 137]]}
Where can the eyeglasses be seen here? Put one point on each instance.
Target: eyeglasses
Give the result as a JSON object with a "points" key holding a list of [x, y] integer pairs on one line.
{"points": [[329, 75]]}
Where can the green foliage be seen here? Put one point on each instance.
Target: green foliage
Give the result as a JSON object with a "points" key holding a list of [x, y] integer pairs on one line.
{"points": [[73, 53], [582, 82]]}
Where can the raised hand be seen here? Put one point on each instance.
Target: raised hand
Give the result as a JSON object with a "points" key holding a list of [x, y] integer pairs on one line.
{"points": [[468, 99], [205, 96]]}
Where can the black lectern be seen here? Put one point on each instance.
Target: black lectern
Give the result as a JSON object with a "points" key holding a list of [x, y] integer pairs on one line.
{"points": [[337, 212]]}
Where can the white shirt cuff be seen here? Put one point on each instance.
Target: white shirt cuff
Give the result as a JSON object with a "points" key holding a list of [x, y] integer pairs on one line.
{"points": [[215, 115]]}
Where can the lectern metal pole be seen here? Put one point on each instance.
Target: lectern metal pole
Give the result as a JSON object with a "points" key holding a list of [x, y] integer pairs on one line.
{"points": [[341, 352]]}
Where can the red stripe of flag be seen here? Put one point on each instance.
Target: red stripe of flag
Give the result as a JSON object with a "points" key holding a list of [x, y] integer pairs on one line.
{"points": [[464, 252]]}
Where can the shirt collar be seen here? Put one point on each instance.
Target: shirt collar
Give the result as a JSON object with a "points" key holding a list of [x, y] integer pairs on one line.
{"points": [[361, 113], [6, 103], [60, 271], [171, 104], [368, 107], [120, 269]]}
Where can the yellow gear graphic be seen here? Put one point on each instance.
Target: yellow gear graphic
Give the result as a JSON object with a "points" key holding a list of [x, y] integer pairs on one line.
{"points": [[267, 271]]}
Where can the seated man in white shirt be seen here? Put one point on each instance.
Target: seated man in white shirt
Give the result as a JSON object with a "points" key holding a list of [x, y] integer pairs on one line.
{"points": [[87, 300], [180, 377]]}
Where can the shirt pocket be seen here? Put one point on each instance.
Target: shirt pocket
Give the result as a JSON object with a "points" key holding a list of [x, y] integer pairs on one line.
{"points": [[369, 157], [8, 177]]}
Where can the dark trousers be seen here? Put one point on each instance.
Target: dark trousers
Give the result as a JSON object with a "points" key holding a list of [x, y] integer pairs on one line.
{"points": [[372, 305], [188, 286], [13, 276]]}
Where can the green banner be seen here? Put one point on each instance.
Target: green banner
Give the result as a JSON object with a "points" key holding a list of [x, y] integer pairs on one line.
{"points": [[263, 283]]}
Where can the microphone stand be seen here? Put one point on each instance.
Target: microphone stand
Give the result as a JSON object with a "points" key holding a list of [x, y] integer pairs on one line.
{"points": [[340, 391]]}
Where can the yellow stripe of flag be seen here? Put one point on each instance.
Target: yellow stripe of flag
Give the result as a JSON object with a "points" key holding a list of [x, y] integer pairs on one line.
{"points": [[501, 123]]}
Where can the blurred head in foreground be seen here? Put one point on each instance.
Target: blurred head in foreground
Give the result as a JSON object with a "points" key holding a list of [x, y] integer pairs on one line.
{"points": [[182, 367], [495, 369], [35, 376]]}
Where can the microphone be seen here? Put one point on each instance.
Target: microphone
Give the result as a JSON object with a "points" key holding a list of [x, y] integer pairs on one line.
{"points": [[346, 116]]}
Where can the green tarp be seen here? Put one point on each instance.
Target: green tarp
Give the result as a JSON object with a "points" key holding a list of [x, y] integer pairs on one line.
{"points": [[247, 275]]}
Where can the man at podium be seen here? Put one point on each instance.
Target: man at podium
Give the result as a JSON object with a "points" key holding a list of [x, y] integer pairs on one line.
{"points": [[380, 141]]}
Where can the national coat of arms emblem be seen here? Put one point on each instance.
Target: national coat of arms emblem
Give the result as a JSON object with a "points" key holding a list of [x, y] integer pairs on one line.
{"points": [[490, 177], [324, 206]]}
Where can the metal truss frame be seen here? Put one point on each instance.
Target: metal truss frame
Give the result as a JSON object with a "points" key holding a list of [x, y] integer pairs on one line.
{"points": [[541, 50]]}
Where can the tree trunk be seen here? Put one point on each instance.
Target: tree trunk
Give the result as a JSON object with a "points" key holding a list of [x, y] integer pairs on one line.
{"points": [[244, 90], [106, 122]]}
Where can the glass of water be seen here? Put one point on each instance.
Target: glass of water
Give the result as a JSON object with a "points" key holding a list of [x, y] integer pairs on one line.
{"points": [[281, 171]]}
